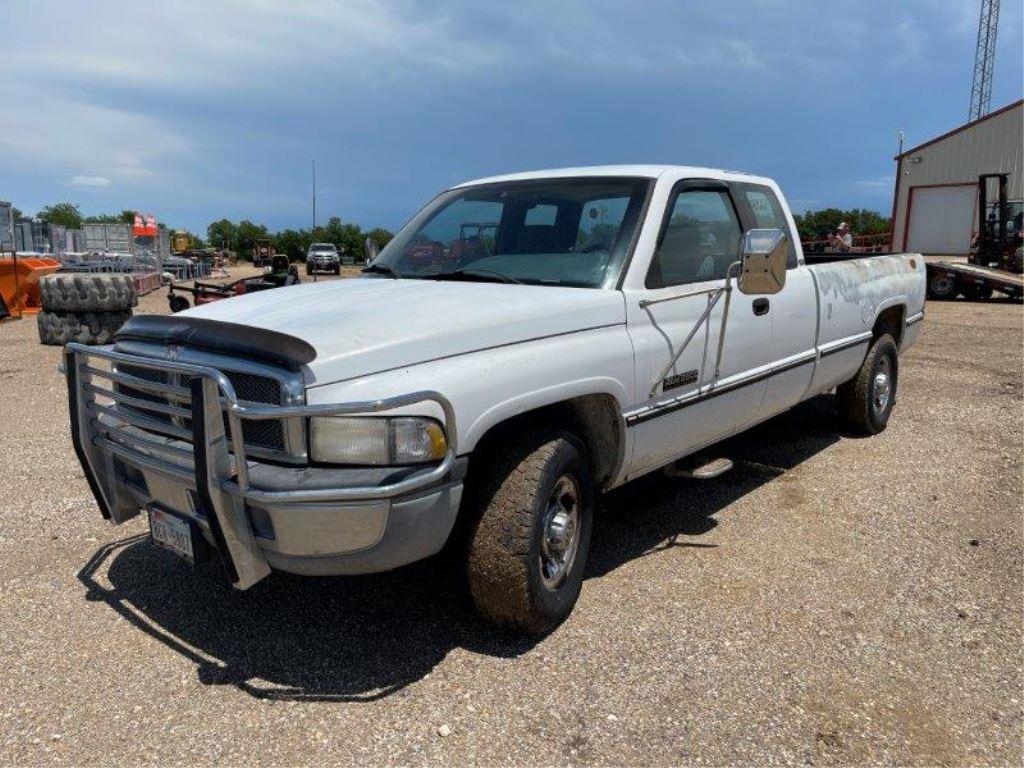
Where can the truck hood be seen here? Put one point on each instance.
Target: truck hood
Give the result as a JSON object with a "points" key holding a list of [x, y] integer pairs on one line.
{"points": [[368, 325]]}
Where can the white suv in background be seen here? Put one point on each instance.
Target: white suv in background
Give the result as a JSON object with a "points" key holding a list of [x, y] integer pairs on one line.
{"points": [[322, 257]]}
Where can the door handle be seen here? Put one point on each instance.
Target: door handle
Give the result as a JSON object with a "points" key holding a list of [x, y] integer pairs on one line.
{"points": [[761, 306]]}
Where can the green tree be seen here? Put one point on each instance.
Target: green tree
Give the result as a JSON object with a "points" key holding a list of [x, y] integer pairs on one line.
{"points": [[64, 214], [818, 225], [124, 217], [246, 236], [291, 243], [17, 214], [222, 234], [380, 236]]}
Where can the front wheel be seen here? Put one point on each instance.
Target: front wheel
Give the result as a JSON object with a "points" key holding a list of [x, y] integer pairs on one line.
{"points": [[529, 547], [866, 401]]}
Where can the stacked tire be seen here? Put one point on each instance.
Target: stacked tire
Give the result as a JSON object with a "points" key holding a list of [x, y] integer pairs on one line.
{"points": [[83, 307]]}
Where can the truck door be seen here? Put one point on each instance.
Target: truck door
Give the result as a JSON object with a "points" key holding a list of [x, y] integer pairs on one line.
{"points": [[793, 311], [712, 389]]}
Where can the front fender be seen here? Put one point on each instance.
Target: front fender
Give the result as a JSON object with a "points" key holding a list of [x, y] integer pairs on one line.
{"points": [[489, 386]]}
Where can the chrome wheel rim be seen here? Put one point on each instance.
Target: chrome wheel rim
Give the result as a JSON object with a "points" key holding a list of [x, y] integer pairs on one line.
{"points": [[560, 535], [882, 387]]}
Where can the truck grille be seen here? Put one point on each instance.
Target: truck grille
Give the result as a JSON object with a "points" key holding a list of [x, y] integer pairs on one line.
{"points": [[248, 387]]}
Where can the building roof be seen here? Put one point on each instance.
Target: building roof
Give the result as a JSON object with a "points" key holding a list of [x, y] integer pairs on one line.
{"points": [[960, 129]]}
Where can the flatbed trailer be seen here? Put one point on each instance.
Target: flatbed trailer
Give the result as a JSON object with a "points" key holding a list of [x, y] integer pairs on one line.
{"points": [[948, 279]]}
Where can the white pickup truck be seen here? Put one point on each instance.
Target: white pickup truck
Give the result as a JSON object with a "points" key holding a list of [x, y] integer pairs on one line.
{"points": [[524, 342]]}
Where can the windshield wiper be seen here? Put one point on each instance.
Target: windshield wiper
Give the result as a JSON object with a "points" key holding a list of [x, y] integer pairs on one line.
{"points": [[475, 274], [381, 269]]}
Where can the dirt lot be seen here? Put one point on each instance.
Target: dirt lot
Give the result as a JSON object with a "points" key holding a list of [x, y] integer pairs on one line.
{"points": [[831, 600]]}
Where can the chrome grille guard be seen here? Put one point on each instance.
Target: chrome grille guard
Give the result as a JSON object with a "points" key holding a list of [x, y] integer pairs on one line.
{"points": [[219, 471]]}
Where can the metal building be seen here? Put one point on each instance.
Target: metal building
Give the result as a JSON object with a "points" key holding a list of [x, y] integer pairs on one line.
{"points": [[935, 202], [6, 226]]}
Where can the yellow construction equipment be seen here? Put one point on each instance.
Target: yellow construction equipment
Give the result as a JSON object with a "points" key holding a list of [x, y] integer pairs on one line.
{"points": [[181, 241]]}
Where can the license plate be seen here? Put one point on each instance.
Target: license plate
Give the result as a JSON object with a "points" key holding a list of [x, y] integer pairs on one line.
{"points": [[171, 532]]}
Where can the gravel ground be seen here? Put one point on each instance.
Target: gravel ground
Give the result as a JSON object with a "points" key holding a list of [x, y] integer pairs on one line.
{"points": [[830, 601]]}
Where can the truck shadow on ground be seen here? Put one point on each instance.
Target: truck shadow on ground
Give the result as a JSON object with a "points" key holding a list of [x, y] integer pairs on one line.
{"points": [[364, 638]]}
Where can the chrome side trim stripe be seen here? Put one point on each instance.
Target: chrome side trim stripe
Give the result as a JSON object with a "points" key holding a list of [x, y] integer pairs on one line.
{"points": [[646, 413], [915, 318], [841, 345]]}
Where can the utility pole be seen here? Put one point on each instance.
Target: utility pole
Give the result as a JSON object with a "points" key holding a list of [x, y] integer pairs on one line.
{"points": [[313, 232], [984, 59]]}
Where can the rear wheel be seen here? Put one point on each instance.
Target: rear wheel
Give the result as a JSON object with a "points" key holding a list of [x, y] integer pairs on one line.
{"points": [[866, 401], [941, 286], [529, 547]]}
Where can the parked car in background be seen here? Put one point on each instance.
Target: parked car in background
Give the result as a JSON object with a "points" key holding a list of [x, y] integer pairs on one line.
{"points": [[528, 342], [323, 257]]}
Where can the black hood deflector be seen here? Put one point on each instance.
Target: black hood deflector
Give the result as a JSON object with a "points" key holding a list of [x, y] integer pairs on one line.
{"points": [[216, 336]]}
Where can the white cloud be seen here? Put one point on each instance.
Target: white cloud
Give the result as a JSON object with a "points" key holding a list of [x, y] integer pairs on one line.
{"points": [[880, 184], [89, 181]]}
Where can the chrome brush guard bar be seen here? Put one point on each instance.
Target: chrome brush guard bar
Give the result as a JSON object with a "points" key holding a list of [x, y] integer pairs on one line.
{"points": [[219, 470]]}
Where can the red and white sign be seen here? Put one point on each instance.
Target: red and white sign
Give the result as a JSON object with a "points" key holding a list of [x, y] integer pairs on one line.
{"points": [[145, 226]]}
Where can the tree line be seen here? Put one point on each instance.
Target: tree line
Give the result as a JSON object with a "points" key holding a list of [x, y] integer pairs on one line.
{"points": [[818, 225], [238, 237], [351, 239], [241, 238], [70, 215]]}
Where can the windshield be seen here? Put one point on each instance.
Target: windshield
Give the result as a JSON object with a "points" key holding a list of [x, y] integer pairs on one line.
{"points": [[316, 248], [571, 232]]}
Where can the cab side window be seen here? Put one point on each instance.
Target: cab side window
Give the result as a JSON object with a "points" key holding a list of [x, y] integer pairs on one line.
{"points": [[699, 241], [767, 213]]}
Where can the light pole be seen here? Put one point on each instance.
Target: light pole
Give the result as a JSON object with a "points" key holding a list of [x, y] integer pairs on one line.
{"points": [[313, 232]]}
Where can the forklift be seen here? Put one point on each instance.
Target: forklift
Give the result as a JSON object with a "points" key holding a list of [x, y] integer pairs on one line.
{"points": [[996, 258], [999, 239]]}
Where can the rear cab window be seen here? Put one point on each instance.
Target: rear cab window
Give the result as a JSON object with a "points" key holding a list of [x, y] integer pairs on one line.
{"points": [[767, 213]]}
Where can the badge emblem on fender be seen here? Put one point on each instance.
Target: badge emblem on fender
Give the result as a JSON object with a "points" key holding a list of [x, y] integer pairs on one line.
{"points": [[680, 380]]}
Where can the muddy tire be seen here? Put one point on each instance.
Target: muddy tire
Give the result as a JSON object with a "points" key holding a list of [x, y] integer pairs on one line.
{"points": [[60, 328], [528, 548], [866, 401], [87, 293]]}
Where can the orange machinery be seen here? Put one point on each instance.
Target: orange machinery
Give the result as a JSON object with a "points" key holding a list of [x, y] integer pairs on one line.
{"points": [[19, 282]]}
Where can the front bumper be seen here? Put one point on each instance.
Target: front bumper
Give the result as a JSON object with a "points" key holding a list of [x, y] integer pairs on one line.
{"points": [[256, 515]]}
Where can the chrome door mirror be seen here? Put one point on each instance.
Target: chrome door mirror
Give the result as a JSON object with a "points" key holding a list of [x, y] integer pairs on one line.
{"points": [[763, 261]]}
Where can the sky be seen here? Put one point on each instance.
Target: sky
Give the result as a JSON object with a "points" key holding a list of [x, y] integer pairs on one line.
{"points": [[196, 110]]}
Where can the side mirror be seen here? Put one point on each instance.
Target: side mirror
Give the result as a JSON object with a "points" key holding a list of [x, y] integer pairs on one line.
{"points": [[763, 261]]}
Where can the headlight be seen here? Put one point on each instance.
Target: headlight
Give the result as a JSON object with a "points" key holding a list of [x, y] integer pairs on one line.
{"points": [[376, 441]]}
